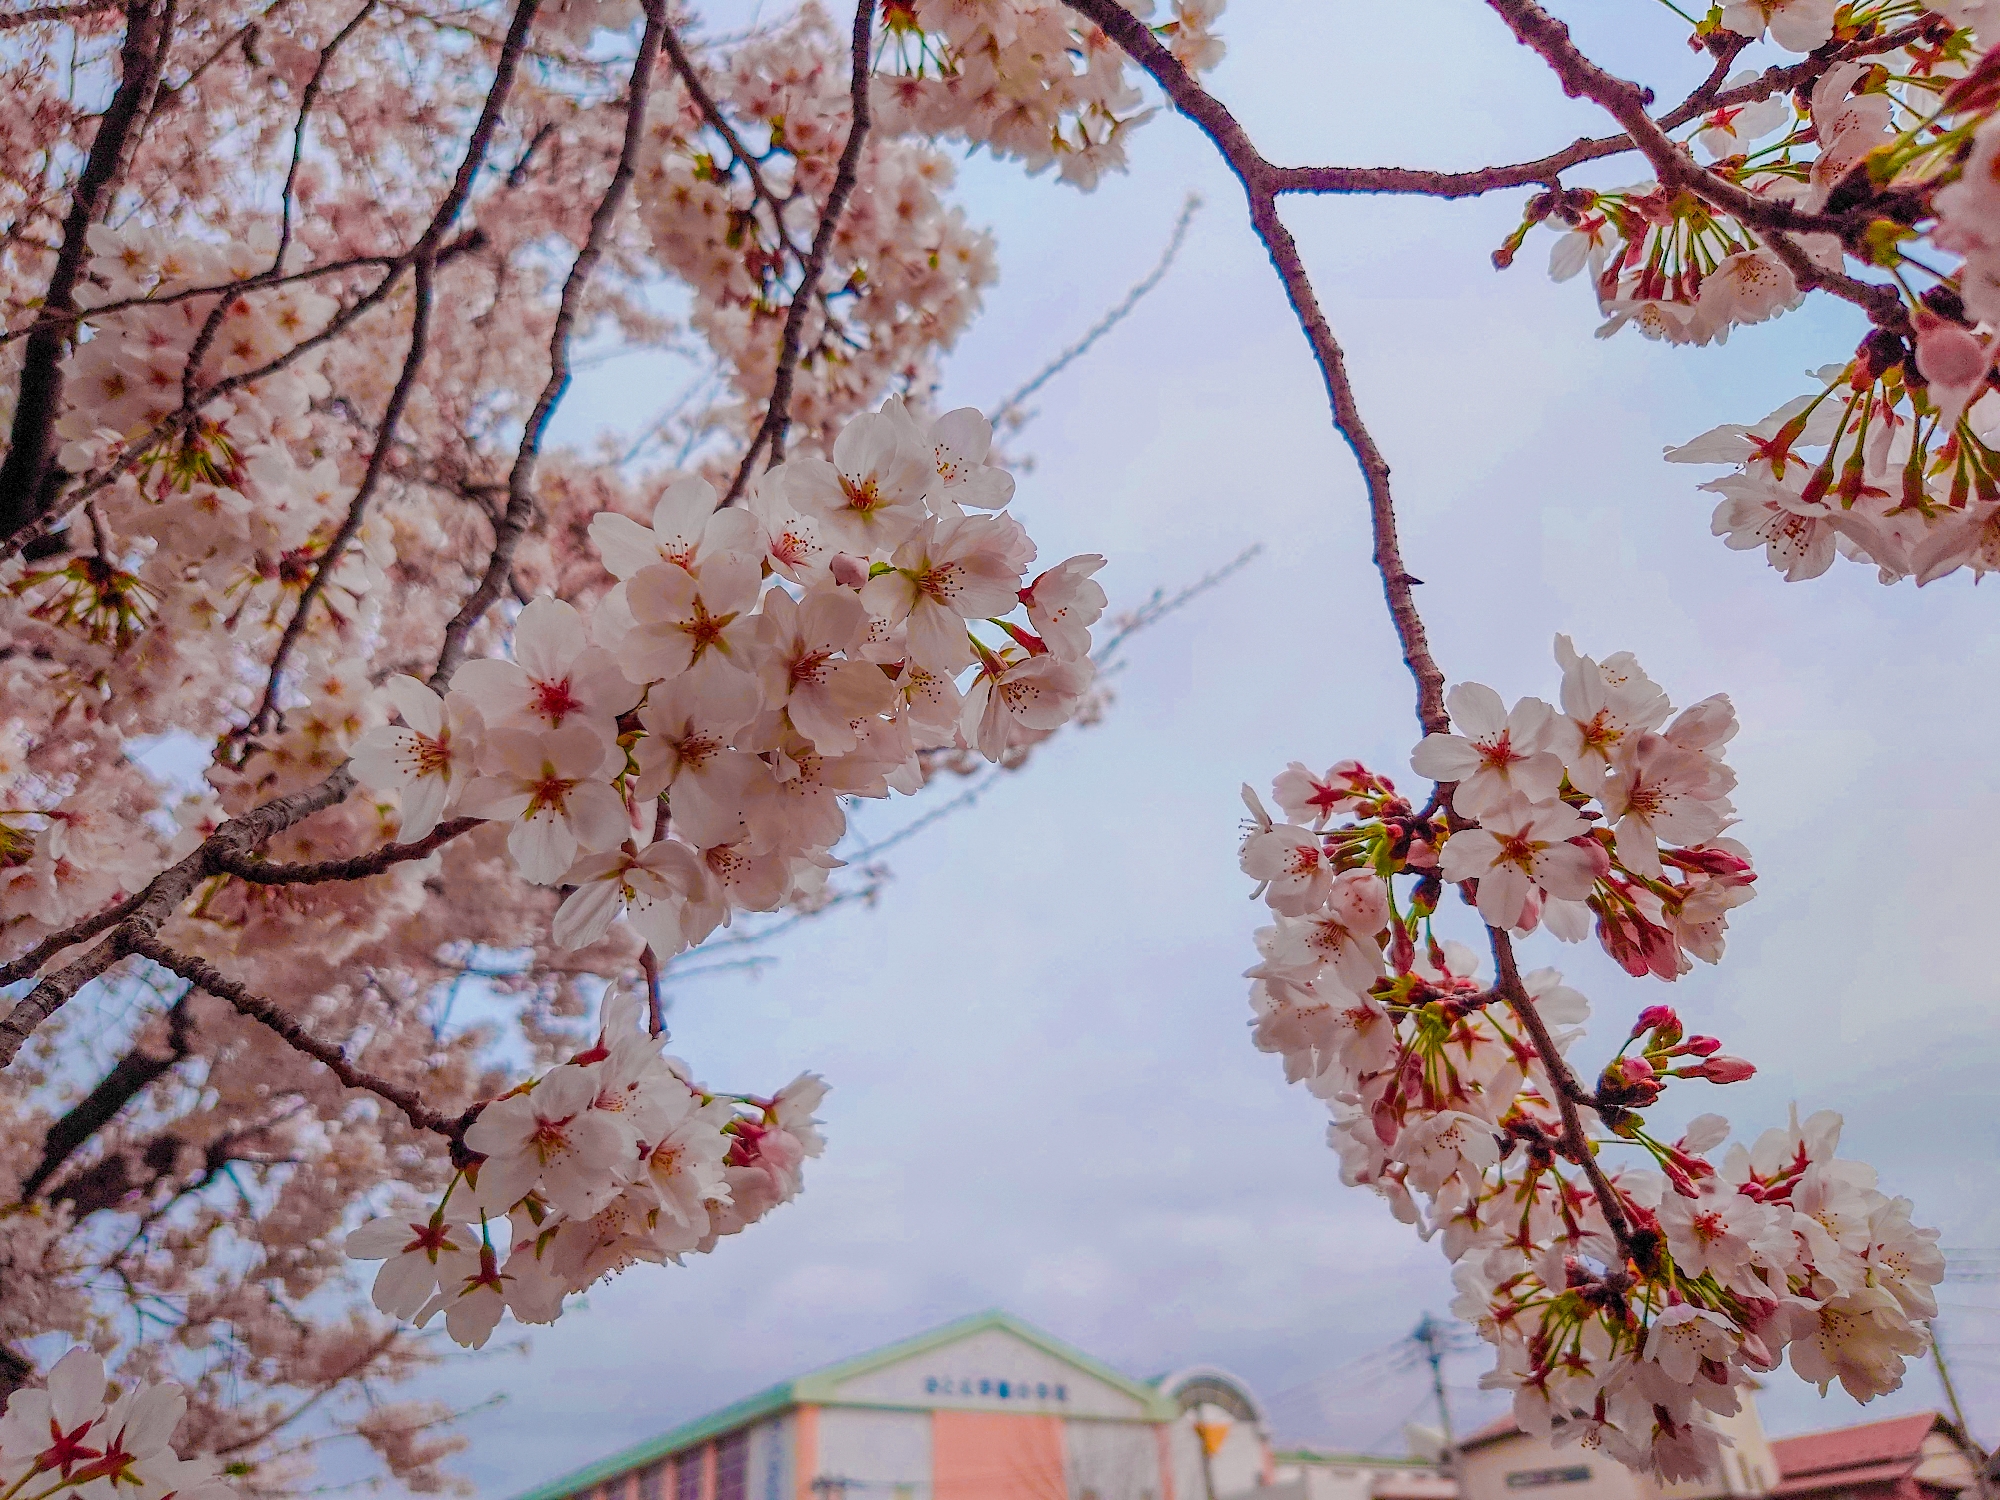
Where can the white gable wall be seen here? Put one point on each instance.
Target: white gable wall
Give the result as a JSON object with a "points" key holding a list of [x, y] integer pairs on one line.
{"points": [[881, 1451], [992, 1370]]}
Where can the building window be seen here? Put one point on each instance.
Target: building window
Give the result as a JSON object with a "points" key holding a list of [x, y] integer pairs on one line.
{"points": [[688, 1485], [1532, 1479], [732, 1463], [652, 1482]]}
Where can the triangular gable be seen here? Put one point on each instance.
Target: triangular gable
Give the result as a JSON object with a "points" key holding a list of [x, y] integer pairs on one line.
{"points": [[990, 1362]]}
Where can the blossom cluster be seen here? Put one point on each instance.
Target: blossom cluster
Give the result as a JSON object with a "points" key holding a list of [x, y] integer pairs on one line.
{"points": [[67, 1439], [903, 278], [1892, 460], [681, 752], [1624, 1302], [1027, 79], [609, 1159]]}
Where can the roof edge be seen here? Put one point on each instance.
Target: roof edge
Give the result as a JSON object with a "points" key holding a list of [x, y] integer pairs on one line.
{"points": [[773, 1399]]}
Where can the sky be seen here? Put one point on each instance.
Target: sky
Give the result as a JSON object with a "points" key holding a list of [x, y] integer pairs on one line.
{"points": [[1044, 1094]]}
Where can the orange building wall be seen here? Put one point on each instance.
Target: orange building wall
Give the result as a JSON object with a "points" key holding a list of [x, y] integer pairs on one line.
{"points": [[708, 1471], [990, 1455], [805, 1450], [1163, 1438]]}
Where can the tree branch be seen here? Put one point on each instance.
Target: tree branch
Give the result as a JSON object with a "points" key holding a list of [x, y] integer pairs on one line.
{"points": [[143, 917], [129, 1077], [1256, 175], [513, 523], [265, 1013], [25, 491], [262, 872], [778, 413]]}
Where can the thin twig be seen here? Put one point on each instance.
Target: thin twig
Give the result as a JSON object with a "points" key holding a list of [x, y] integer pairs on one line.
{"points": [[357, 509], [1111, 319], [521, 509], [778, 413]]}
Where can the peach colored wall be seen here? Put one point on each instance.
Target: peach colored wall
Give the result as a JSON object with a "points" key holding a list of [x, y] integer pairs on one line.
{"points": [[1482, 1472], [805, 1450], [1163, 1437], [993, 1455], [708, 1471]]}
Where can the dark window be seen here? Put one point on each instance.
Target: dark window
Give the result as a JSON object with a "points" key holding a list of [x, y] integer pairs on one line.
{"points": [[1529, 1479], [732, 1463], [688, 1485], [651, 1483]]}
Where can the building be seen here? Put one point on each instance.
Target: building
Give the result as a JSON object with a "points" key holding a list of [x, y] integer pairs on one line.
{"points": [[1311, 1474], [1919, 1457], [987, 1408], [1501, 1462]]}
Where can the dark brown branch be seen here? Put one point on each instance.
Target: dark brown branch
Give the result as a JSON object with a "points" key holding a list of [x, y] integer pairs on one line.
{"points": [[778, 414], [1569, 1094], [36, 13], [520, 512], [25, 473], [129, 1077], [143, 917], [265, 1013], [78, 932], [1256, 175], [262, 872], [357, 508], [308, 97]]}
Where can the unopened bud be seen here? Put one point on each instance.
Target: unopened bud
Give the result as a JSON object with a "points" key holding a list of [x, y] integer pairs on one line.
{"points": [[1722, 1068], [848, 572]]}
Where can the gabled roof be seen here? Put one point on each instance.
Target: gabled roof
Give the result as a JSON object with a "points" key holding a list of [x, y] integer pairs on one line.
{"points": [[1886, 1449], [821, 1388]]}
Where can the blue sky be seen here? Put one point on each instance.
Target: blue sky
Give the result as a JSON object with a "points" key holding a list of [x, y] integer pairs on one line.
{"points": [[1044, 1096]]}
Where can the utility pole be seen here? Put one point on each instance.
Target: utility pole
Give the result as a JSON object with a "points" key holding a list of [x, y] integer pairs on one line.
{"points": [[1430, 1336]]}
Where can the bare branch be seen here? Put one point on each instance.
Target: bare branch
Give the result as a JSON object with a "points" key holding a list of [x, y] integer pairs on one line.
{"points": [[143, 917], [513, 523], [262, 872], [778, 413], [36, 13], [1111, 319], [1255, 173]]}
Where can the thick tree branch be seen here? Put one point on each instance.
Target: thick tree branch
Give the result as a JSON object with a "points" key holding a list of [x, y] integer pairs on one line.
{"points": [[144, 916], [778, 413], [25, 490], [129, 1077]]}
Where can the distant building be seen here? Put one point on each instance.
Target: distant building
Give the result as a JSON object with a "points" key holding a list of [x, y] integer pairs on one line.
{"points": [[1501, 1462], [1311, 1474], [987, 1408], [1918, 1457]]}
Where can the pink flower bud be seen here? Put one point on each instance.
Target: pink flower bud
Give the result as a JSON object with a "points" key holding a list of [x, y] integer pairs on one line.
{"points": [[1701, 1046], [1654, 1017], [848, 572], [1722, 1068]]}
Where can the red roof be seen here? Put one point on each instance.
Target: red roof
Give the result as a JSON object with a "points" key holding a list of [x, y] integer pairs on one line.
{"points": [[1872, 1452]]}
